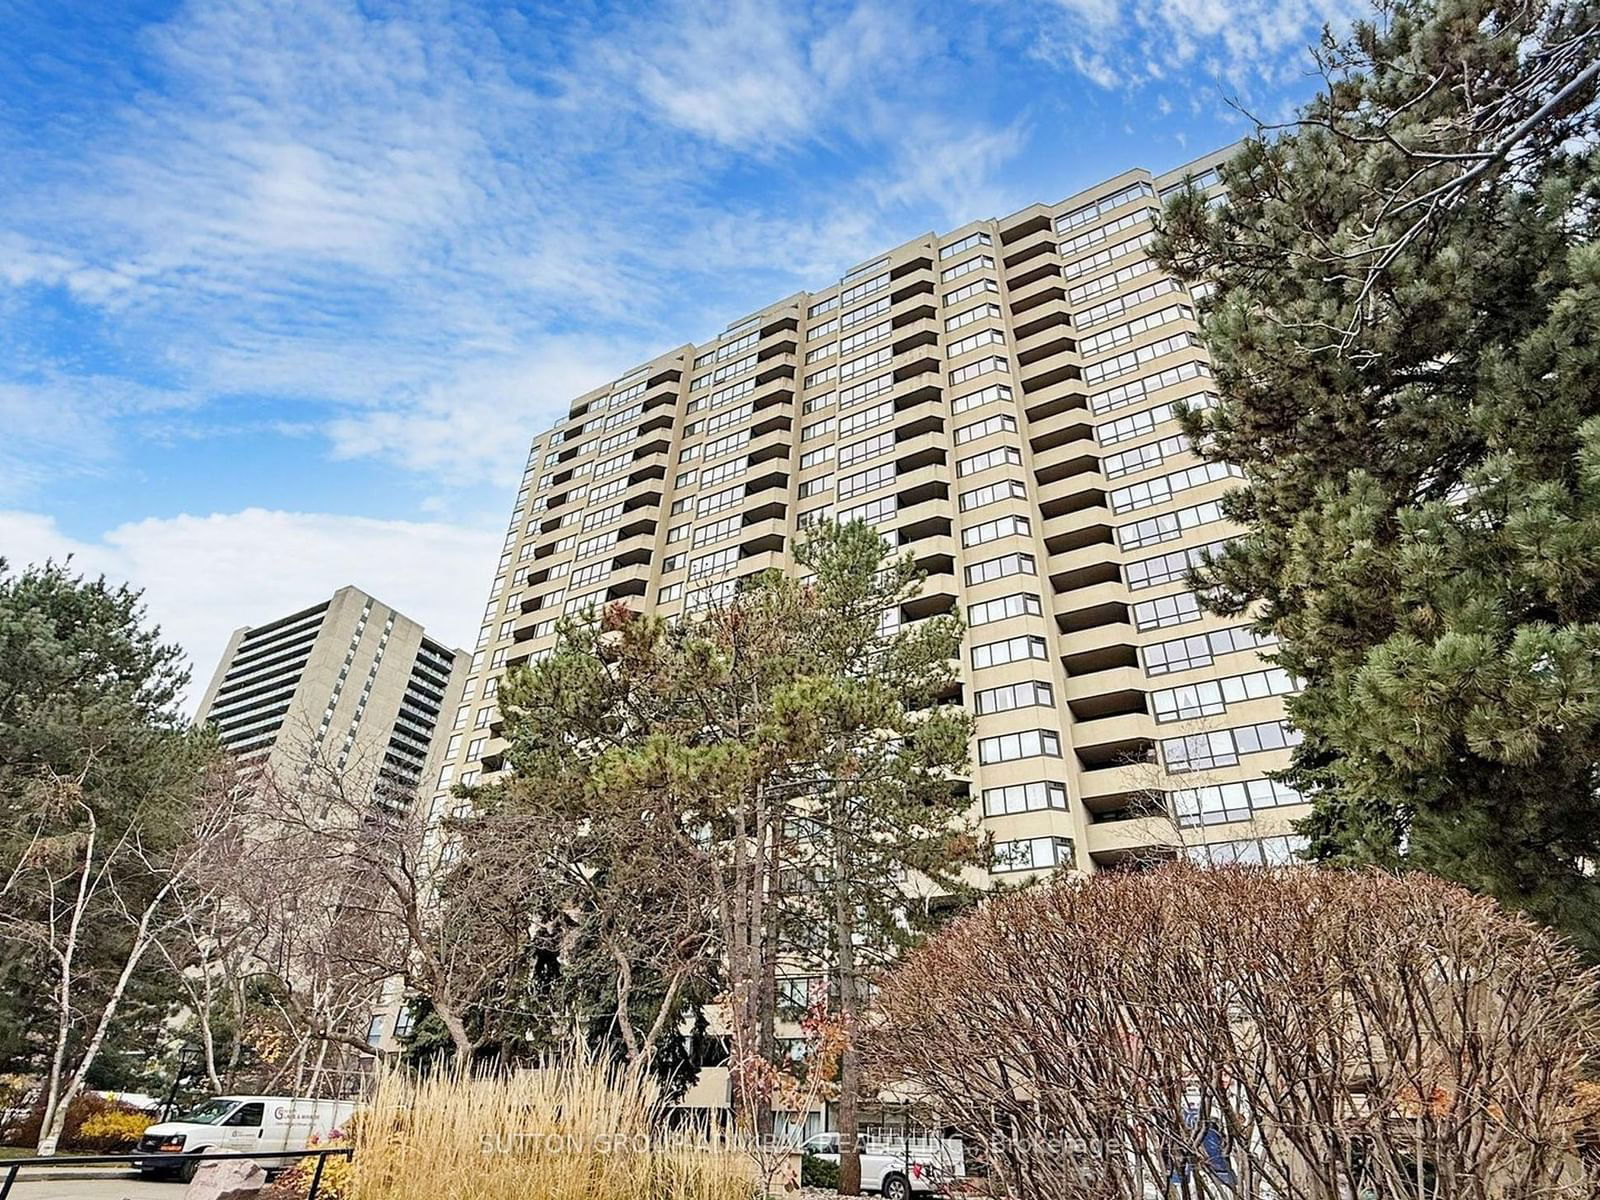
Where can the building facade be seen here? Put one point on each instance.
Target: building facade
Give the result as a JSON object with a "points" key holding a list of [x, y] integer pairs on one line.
{"points": [[1000, 402], [349, 682]]}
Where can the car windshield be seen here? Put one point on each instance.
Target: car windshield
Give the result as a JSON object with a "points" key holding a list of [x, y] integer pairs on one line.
{"points": [[210, 1112]]}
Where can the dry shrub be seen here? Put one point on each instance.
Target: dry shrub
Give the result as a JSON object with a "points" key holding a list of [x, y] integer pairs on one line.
{"points": [[573, 1130], [1309, 1033]]}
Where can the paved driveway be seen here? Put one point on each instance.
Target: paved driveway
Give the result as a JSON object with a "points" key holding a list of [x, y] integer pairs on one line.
{"points": [[107, 1187]]}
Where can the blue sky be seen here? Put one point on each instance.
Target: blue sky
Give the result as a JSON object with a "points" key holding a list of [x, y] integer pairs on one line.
{"points": [[286, 287]]}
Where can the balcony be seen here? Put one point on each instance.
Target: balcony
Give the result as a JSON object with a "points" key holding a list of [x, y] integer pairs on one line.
{"points": [[1085, 527], [1066, 460], [1051, 314], [759, 536], [938, 596], [917, 306], [1093, 607], [1030, 221], [917, 285], [921, 260], [1114, 843], [1052, 339], [1036, 292], [1110, 648], [774, 444], [921, 332], [1049, 372], [921, 450], [919, 360], [1091, 568], [1038, 240], [1040, 267], [1067, 425]]}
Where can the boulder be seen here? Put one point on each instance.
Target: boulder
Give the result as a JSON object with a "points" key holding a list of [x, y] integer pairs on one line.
{"points": [[229, 1179]]}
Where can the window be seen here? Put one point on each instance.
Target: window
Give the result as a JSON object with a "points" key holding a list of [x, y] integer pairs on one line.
{"points": [[989, 531], [815, 487], [865, 390], [615, 488], [812, 458], [999, 423], [865, 419], [681, 505], [856, 366], [598, 544], [717, 531], [865, 481], [1106, 257], [973, 341], [873, 446], [972, 370], [1164, 487], [728, 394], [672, 562], [732, 416], [1166, 568], [725, 444], [992, 493], [1140, 423], [1122, 364], [1032, 854], [1121, 335], [820, 353], [822, 376], [1142, 458], [1131, 393], [822, 306], [688, 454], [1224, 747], [1211, 697], [1201, 649], [865, 288], [811, 432], [812, 516], [588, 600], [865, 337], [1008, 456], [712, 476], [677, 533], [1009, 747], [1000, 568], [976, 288], [1220, 804], [1112, 309], [822, 329], [978, 238], [865, 313], [718, 501], [979, 262], [1090, 213], [1031, 694], [874, 512], [1164, 611], [601, 515], [813, 404], [1023, 797], [669, 592], [712, 564], [988, 395], [615, 463], [1018, 604], [1016, 649], [1267, 852], [475, 748], [1167, 527]]}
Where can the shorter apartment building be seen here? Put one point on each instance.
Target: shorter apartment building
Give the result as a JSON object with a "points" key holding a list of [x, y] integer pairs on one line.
{"points": [[349, 682]]}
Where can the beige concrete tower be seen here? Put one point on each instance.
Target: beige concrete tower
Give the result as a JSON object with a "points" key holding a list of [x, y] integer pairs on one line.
{"points": [[351, 681], [998, 401]]}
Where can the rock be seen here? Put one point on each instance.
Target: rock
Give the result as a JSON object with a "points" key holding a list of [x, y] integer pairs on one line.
{"points": [[230, 1179]]}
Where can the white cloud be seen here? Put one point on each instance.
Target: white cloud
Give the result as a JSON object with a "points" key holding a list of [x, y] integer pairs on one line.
{"points": [[1239, 46], [414, 230], [203, 577]]}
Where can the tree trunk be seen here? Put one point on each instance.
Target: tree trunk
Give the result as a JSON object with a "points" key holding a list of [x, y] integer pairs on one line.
{"points": [[844, 924], [56, 1117]]}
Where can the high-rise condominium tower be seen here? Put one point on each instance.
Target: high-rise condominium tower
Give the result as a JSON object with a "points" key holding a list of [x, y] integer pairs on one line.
{"points": [[350, 682], [999, 401]]}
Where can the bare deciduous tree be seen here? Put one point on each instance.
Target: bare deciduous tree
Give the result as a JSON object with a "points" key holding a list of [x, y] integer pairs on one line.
{"points": [[1299, 1034]]}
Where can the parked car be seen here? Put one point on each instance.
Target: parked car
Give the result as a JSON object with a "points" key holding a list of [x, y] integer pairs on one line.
{"points": [[240, 1124], [898, 1167]]}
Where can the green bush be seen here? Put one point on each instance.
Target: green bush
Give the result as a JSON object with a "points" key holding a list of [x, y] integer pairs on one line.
{"points": [[818, 1172]]}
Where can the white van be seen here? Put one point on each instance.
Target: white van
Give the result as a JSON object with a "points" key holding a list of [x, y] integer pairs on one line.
{"points": [[897, 1167], [240, 1124]]}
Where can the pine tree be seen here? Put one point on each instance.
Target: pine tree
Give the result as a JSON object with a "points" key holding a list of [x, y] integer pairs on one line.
{"points": [[1405, 328], [777, 771]]}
